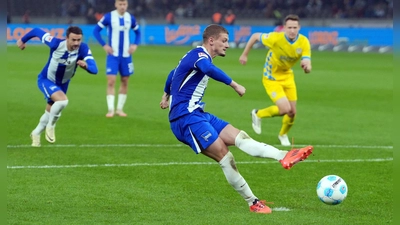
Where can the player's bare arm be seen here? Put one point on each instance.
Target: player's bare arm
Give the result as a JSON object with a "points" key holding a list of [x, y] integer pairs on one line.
{"points": [[253, 39], [164, 101], [21, 45], [238, 88], [306, 65]]}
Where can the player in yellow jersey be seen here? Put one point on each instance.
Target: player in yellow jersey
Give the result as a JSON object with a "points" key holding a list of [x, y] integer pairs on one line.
{"points": [[285, 49]]}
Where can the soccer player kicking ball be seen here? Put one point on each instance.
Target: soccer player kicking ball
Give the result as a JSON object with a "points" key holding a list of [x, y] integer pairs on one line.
{"points": [[206, 133], [285, 49], [65, 56]]}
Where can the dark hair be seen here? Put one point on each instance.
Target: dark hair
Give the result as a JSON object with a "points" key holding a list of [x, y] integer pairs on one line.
{"points": [[213, 30], [291, 17], [74, 30]]}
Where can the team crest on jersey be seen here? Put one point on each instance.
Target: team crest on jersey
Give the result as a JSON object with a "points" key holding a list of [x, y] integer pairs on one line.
{"points": [[299, 50], [265, 36], [202, 54], [48, 38]]}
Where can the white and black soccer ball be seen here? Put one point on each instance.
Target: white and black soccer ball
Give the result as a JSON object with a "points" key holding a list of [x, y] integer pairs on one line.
{"points": [[332, 190]]}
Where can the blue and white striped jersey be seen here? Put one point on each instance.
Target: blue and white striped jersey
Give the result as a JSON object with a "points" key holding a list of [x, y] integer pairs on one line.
{"points": [[61, 65], [118, 29], [188, 82]]}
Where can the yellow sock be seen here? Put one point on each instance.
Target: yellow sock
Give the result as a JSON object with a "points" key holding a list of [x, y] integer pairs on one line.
{"points": [[268, 112], [287, 123]]}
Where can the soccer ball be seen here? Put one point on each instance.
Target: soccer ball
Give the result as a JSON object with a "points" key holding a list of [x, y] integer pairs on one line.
{"points": [[332, 190]]}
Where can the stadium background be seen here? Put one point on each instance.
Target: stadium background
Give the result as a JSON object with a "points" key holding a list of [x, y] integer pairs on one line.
{"points": [[339, 25]]}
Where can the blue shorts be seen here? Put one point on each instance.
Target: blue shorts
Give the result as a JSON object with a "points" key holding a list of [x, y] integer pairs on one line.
{"points": [[119, 64], [198, 129], [47, 87]]}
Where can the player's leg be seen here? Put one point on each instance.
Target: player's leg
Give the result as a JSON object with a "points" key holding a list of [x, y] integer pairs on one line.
{"points": [[233, 136], [289, 111], [220, 153], [59, 102], [274, 91], [112, 70], [56, 102], [126, 70], [36, 133], [203, 138], [122, 95]]}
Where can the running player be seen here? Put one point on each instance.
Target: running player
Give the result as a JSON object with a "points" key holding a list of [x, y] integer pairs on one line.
{"points": [[65, 56], [285, 49]]}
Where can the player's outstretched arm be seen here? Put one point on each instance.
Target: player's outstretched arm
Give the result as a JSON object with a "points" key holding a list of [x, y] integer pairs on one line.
{"points": [[35, 32], [214, 72], [253, 39]]}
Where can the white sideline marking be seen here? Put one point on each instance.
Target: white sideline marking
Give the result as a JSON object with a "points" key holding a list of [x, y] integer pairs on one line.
{"points": [[181, 145], [281, 209], [191, 163]]}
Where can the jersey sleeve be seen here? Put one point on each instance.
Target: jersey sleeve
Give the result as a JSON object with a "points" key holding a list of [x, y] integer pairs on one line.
{"points": [[136, 30], [134, 25], [105, 20], [306, 49], [205, 66], [86, 54], [46, 38], [268, 39], [167, 87], [50, 41]]}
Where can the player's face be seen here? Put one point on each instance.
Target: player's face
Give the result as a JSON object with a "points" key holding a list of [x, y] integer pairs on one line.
{"points": [[221, 44], [121, 6], [292, 28], [74, 41]]}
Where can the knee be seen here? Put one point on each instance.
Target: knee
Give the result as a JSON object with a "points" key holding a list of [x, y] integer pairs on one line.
{"points": [[284, 110], [124, 82], [292, 113], [111, 83], [63, 103], [242, 136]]}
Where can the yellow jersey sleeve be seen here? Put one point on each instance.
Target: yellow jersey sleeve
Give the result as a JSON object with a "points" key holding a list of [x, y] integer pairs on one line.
{"points": [[269, 39], [306, 49]]}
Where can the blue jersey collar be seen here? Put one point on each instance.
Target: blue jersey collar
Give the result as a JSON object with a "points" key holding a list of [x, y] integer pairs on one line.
{"points": [[290, 41]]}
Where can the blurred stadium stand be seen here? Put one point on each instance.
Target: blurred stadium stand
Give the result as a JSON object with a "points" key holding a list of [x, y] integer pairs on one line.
{"points": [[248, 12]]}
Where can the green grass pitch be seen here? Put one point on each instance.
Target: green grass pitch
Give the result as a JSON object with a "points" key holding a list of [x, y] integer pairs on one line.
{"points": [[133, 171]]}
